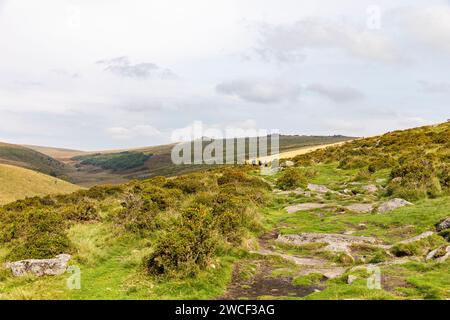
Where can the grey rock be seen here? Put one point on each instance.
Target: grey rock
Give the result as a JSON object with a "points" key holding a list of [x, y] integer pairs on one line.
{"points": [[360, 207], [371, 188], [445, 224], [289, 163], [393, 204], [351, 279], [434, 254], [335, 242], [419, 237], [318, 188], [305, 206], [39, 267]]}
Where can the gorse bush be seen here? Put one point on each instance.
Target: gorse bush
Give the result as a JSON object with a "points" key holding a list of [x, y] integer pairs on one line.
{"points": [[415, 179], [138, 214], [290, 179], [188, 184], [34, 233], [187, 247], [86, 210]]}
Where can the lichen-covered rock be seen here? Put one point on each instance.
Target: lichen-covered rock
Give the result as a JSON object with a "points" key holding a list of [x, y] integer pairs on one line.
{"points": [[360, 207], [351, 279], [421, 236], [305, 206], [440, 254], [318, 188], [393, 204], [335, 242], [371, 188], [445, 224], [40, 267]]}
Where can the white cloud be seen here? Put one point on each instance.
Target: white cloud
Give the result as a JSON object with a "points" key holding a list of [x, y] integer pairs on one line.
{"points": [[138, 131], [339, 94], [435, 87], [260, 91], [429, 25], [122, 67], [291, 42]]}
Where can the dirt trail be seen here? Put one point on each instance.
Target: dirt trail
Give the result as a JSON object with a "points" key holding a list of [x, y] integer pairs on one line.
{"points": [[293, 153]]}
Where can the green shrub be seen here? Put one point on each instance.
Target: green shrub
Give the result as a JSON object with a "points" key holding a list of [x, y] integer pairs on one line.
{"points": [[187, 247], [188, 184], [36, 234], [138, 214], [85, 211], [291, 179]]}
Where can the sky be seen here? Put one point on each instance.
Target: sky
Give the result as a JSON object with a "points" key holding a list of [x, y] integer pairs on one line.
{"points": [[102, 74]]}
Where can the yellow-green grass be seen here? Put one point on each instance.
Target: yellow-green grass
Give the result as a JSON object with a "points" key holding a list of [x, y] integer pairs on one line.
{"points": [[18, 183]]}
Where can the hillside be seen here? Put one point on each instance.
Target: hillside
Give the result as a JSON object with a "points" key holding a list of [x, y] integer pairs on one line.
{"points": [[18, 183], [118, 166], [27, 158], [335, 226], [56, 153]]}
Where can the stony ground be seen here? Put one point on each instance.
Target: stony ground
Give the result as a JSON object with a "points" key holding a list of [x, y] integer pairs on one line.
{"points": [[338, 241]]}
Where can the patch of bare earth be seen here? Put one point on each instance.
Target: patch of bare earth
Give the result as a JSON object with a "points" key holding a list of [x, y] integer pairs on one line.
{"points": [[264, 283]]}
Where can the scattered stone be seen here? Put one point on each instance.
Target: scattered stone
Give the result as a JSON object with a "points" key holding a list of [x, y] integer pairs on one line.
{"points": [[393, 204], [441, 226], [289, 163], [351, 279], [371, 188], [432, 254], [305, 206], [440, 254], [419, 237], [336, 242], [318, 188], [347, 192], [445, 256], [40, 267], [360, 207], [349, 232], [288, 192]]}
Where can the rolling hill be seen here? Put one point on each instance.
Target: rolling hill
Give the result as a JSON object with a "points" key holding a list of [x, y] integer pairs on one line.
{"points": [[118, 166], [27, 158], [19, 183]]}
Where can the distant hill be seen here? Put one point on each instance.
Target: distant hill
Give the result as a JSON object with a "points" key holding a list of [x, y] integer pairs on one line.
{"points": [[56, 153], [117, 166], [27, 158], [18, 183]]}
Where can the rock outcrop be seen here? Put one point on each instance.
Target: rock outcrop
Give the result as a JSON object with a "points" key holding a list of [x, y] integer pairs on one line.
{"points": [[360, 207], [441, 226], [318, 188], [440, 254], [335, 242], [393, 204], [419, 237], [305, 206], [371, 188], [40, 267]]}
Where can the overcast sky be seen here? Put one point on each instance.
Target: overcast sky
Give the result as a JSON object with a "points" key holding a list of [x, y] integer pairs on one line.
{"points": [[101, 74]]}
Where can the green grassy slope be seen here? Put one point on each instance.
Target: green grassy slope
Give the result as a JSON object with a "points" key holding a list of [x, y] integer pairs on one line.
{"points": [[18, 183]]}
